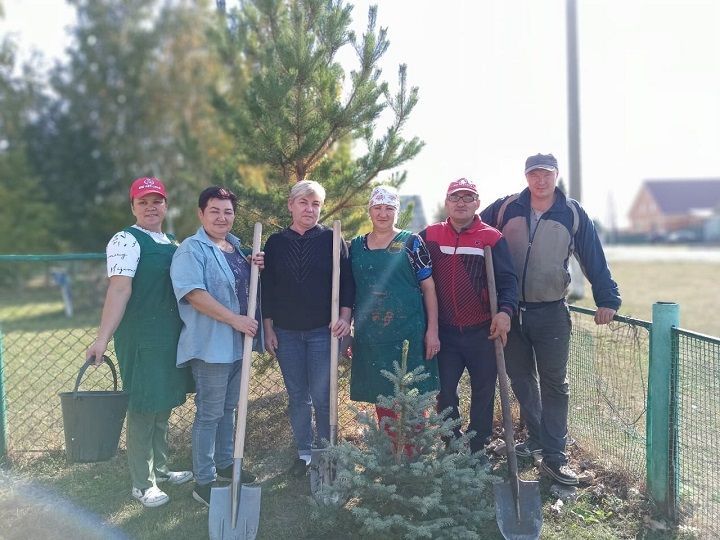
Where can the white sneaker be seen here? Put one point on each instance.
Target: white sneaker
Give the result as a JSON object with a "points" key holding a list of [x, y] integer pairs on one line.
{"points": [[151, 497], [175, 478]]}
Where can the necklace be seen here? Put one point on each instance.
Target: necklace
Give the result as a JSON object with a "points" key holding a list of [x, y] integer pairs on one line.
{"points": [[225, 246]]}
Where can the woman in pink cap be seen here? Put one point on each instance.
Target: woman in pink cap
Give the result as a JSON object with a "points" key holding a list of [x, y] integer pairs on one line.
{"points": [[141, 313], [394, 301]]}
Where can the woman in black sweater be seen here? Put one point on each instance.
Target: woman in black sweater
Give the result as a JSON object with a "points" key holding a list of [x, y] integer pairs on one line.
{"points": [[296, 296]]}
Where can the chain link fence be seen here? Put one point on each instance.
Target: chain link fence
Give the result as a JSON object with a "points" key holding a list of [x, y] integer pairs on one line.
{"points": [[608, 373], [696, 430], [49, 312], [50, 309]]}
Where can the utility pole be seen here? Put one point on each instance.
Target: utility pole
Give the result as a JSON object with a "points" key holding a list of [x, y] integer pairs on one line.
{"points": [[573, 102], [577, 280]]}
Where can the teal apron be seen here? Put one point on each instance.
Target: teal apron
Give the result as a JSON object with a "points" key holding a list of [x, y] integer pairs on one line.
{"points": [[146, 339], [388, 310]]}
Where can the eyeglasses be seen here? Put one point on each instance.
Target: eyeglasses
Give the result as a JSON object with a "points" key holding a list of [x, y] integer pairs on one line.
{"points": [[464, 198]]}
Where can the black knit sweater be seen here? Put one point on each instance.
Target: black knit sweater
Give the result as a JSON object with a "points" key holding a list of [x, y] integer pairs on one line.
{"points": [[297, 279]]}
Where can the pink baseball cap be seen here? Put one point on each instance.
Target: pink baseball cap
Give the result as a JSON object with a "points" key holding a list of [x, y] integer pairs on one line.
{"points": [[146, 184], [463, 184]]}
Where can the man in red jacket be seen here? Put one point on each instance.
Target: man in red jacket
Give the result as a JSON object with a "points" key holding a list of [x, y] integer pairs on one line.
{"points": [[466, 326]]}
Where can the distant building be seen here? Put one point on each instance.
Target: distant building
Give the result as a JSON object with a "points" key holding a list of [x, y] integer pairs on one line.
{"points": [[664, 206], [419, 221]]}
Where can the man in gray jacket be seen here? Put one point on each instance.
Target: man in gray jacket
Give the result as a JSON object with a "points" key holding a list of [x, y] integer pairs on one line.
{"points": [[544, 229]]}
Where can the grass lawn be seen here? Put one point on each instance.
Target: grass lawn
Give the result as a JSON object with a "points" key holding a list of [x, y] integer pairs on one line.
{"points": [[602, 511], [692, 285]]}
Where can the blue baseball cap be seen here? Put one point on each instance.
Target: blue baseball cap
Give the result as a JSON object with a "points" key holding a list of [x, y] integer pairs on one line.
{"points": [[541, 161]]}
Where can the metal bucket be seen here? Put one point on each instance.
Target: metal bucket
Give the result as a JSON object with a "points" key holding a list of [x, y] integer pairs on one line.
{"points": [[93, 420]]}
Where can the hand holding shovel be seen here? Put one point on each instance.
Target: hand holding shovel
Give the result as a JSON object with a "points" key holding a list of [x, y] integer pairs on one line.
{"points": [[518, 509], [235, 509], [322, 470]]}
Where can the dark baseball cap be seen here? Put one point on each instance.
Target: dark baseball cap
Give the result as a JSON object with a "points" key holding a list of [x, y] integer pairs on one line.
{"points": [[541, 161]]}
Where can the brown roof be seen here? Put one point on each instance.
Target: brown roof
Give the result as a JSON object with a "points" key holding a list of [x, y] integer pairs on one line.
{"points": [[676, 196]]}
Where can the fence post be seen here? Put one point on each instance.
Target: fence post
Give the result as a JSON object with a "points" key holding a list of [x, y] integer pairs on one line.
{"points": [[3, 416], [660, 419]]}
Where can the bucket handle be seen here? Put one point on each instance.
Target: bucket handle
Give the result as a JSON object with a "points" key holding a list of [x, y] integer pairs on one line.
{"points": [[87, 364]]}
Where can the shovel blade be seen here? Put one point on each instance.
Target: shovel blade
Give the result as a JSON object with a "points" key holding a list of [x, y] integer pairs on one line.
{"points": [[320, 471], [322, 475], [506, 512], [220, 524]]}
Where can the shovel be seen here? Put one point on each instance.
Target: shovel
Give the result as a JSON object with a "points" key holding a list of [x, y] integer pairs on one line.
{"points": [[235, 509], [322, 470], [518, 509]]}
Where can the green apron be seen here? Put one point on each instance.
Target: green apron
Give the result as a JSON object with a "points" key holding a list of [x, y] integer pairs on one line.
{"points": [[146, 339], [388, 310]]}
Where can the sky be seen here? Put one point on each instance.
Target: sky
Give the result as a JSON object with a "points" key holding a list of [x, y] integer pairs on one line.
{"points": [[493, 89]]}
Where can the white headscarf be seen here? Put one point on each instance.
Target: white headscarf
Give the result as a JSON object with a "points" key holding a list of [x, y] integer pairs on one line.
{"points": [[384, 195]]}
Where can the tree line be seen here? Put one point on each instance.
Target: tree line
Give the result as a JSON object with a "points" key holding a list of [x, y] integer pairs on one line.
{"points": [[253, 97]]}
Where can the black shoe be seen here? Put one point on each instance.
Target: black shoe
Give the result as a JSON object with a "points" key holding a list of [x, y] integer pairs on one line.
{"points": [[478, 446], [527, 450], [246, 477], [299, 468], [201, 493], [560, 473]]}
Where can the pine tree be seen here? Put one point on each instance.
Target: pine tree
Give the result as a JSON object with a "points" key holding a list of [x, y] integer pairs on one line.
{"points": [[132, 99], [27, 219], [295, 114], [401, 481]]}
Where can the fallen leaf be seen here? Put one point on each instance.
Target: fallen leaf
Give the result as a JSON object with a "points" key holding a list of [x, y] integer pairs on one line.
{"points": [[557, 506]]}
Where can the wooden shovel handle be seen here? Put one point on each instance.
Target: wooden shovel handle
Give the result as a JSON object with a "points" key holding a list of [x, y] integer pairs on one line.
{"points": [[501, 371], [242, 405], [334, 316]]}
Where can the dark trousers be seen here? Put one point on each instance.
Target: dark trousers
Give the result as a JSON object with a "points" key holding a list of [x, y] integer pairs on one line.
{"points": [[471, 350], [536, 356]]}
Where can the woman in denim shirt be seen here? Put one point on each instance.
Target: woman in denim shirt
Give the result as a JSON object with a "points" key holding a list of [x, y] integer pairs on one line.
{"points": [[211, 276]]}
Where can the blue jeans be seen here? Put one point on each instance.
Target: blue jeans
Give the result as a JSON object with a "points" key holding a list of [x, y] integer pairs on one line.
{"points": [[536, 356], [217, 392], [304, 358], [472, 350]]}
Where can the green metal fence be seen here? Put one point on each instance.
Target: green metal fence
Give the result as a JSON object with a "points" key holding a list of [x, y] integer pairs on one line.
{"points": [[645, 396], [608, 373], [46, 331], [695, 431]]}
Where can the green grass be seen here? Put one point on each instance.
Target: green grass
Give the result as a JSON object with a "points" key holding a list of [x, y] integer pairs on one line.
{"points": [[44, 349], [287, 509], [103, 489], [692, 285]]}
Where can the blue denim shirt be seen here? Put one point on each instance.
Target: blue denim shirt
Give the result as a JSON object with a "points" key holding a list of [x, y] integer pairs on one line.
{"points": [[199, 264]]}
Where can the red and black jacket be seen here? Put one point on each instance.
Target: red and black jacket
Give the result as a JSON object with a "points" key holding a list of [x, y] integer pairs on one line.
{"points": [[459, 272]]}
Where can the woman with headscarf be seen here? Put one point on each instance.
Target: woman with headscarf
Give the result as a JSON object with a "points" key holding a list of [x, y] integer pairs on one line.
{"points": [[141, 312], [394, 301]]}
